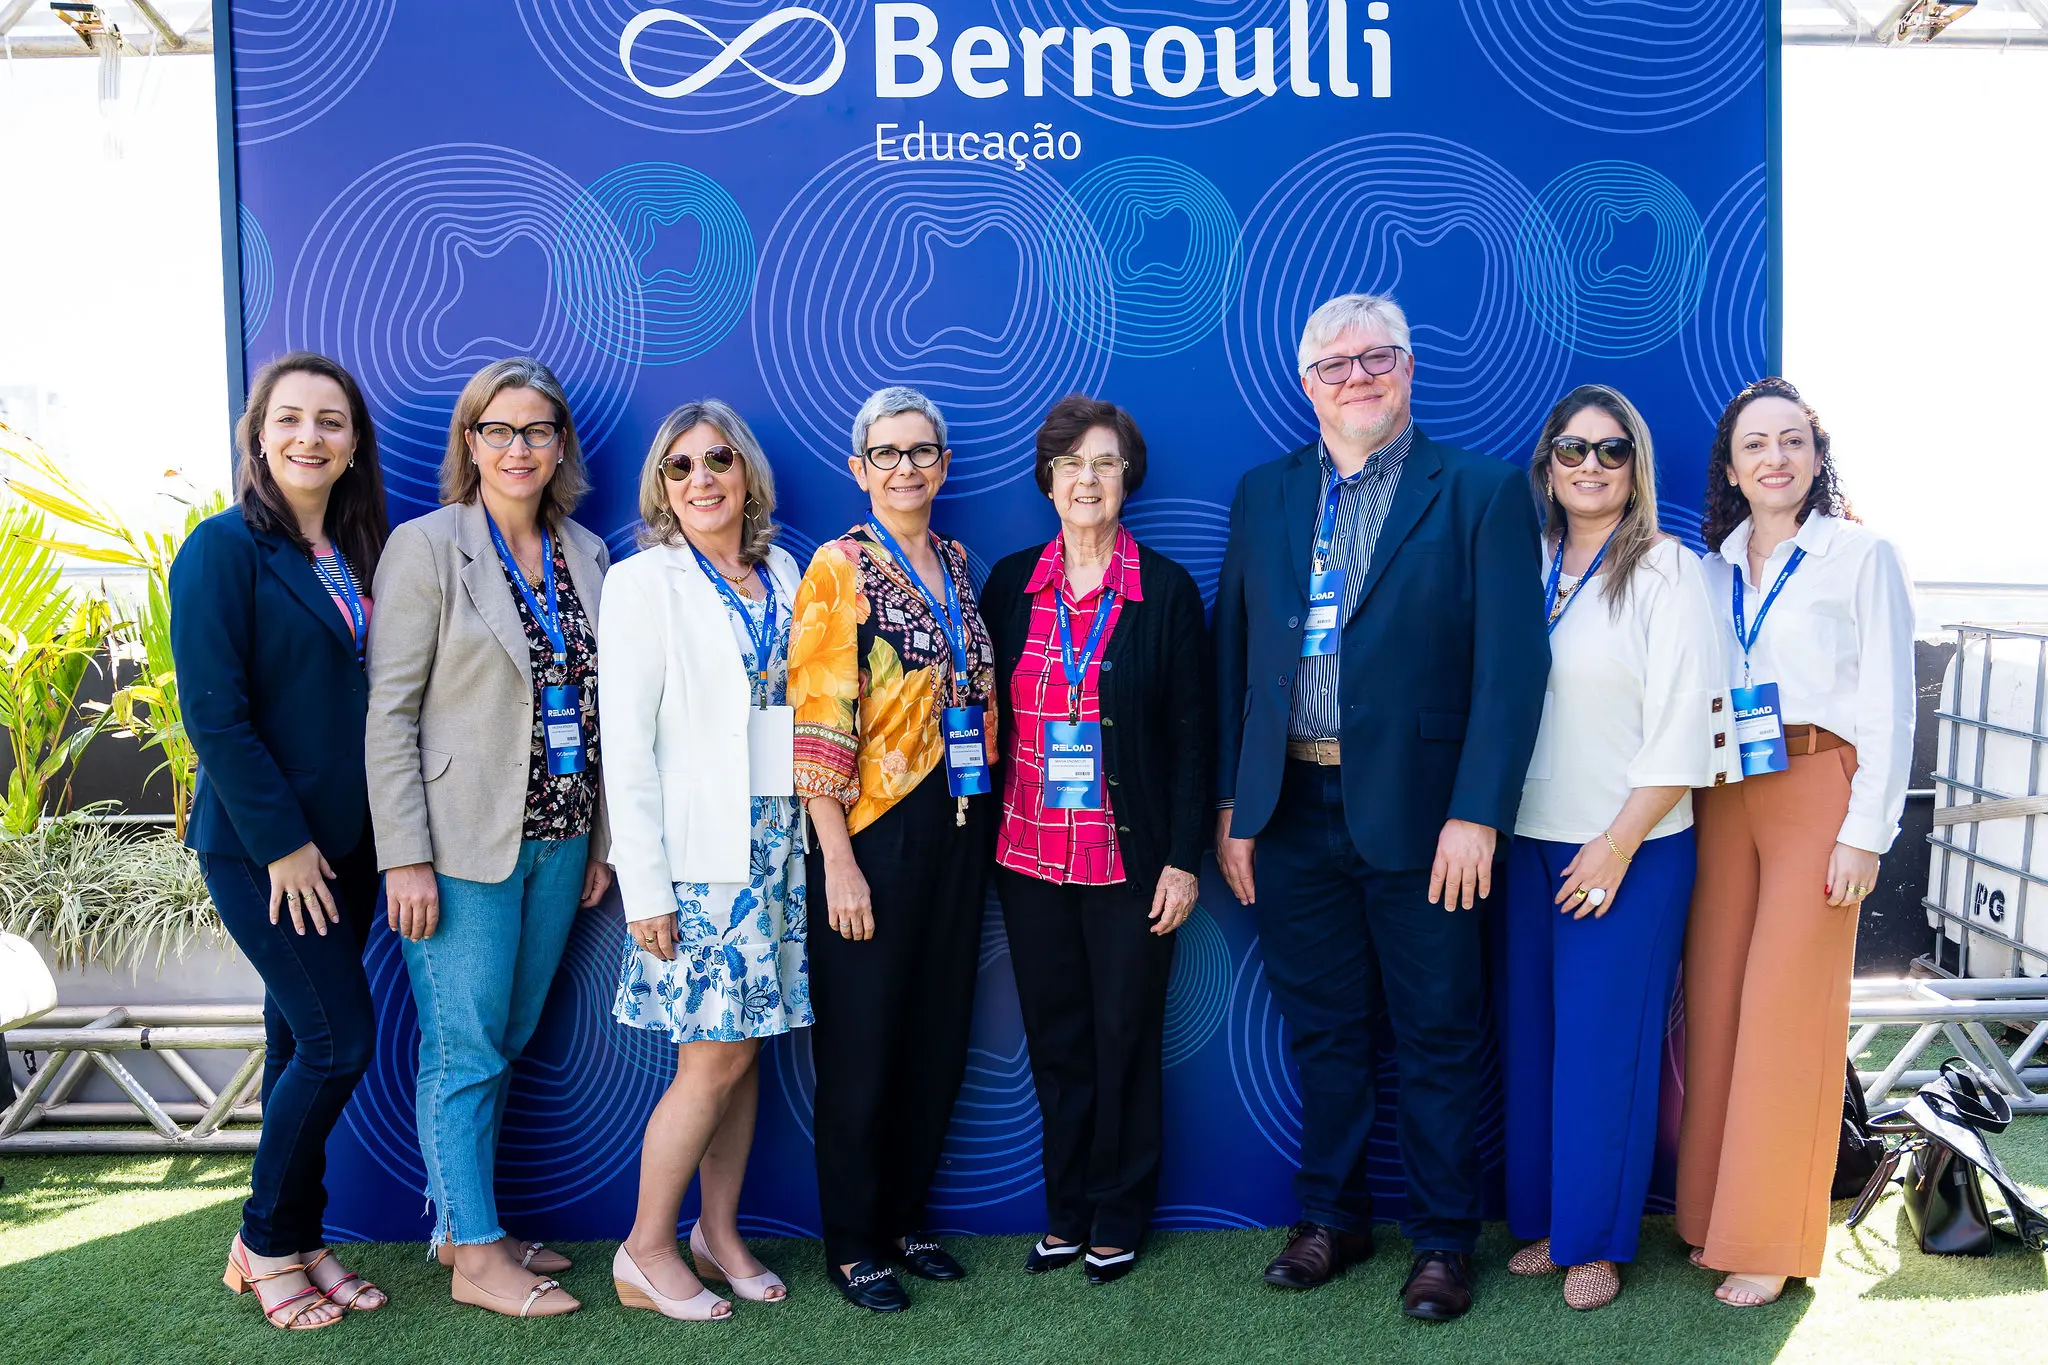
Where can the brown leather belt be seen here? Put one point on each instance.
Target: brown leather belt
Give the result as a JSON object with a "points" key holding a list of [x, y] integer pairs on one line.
{"points": [[1811, 739], [1324, 753]]}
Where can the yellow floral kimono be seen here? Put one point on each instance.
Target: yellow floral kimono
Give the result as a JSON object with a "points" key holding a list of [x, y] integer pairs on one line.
{"points": [[869, 673]]}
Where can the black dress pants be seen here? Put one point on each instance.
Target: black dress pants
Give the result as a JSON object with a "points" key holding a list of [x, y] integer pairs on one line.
{"points": [[889, 1041], [1091, 982]]}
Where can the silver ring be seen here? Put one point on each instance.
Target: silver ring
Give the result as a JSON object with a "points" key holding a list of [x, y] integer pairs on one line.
{"points": [[1596, 897]]}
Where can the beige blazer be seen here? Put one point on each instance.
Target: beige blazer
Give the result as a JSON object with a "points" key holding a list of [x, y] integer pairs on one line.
{"points": [[451, 696]]}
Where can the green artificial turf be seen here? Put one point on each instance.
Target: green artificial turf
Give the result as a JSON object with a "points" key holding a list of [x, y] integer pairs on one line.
{"points": [[118, 1259]]}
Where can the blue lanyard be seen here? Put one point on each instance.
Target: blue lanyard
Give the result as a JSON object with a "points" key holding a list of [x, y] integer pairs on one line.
{"points": [[340, 581], [550, 617], [1551, 613], [1077, 669], [1326, 529], [949, 619], [764, 638], [1748, 640]]}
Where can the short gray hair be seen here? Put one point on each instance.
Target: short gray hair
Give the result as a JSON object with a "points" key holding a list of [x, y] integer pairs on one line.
{"points": [[1346, 311], [658, 524], [894, 401]]}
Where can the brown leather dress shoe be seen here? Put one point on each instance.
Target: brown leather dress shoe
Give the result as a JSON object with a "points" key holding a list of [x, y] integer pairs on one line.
{"points": [[1439, 1287], [1316, 1252]]}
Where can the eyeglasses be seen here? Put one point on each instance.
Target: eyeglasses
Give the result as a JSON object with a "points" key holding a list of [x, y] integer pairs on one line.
{"points": [[922, 456], [1571, 451], [1101, 466], [1335, 369], [498, 435], [718, 460]]}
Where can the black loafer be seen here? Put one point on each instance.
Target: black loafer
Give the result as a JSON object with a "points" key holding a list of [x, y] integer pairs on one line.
{"points": [[1046, 1256], [927, 1260], [869, 1285], [1110, 1269]]}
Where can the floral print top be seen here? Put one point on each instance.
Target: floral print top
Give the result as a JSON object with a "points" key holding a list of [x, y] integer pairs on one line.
{"points": [[869, 673], [560, 807]]}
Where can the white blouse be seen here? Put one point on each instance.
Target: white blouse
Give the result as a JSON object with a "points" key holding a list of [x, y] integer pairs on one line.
{"points": [[1839, 645], [1629, 702]]}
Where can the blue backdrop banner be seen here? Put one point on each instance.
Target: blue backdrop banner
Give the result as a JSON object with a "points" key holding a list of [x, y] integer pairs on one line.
{"points": [[1000, 202]]}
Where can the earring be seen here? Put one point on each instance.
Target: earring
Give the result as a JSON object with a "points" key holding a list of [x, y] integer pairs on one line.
{"points": [[753, 505]]}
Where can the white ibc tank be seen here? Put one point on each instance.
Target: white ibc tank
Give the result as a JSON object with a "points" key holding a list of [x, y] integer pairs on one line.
{"points": [[1993, 744]]}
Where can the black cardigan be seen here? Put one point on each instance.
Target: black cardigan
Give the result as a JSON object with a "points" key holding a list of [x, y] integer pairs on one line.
{"points": [[1158, 695]]}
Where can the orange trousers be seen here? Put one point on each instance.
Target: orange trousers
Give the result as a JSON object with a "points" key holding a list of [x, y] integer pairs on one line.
{"points": [[1767, 968]]}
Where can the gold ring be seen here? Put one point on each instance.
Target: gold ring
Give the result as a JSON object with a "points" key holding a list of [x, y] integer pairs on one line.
{"points": [[1579, 894]]}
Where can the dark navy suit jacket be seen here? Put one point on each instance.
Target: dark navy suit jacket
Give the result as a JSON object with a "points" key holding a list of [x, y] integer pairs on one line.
{"points": [[1442, 664], [274, 699]]}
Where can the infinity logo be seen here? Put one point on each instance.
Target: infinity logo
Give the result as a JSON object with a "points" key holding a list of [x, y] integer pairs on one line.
{"points": [[736, 51]]}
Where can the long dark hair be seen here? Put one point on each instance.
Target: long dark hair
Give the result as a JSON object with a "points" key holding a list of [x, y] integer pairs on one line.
{"points": [[1636, 533], [1726, 503], [356, 520]]}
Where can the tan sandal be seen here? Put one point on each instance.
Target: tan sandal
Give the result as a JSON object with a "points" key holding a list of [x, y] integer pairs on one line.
{"points": [[1533, 1259], [1592, 1285], [1750, 1285], [536, 1304], [288, 1313], [1698, 1256], [340, 1287]]}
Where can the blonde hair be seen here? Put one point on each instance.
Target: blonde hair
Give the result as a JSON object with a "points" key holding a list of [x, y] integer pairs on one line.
{"points": [[460, 477], [658, 524]]}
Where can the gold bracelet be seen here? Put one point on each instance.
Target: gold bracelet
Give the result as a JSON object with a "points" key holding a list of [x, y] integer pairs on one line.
{"points": [[1616, 847]]}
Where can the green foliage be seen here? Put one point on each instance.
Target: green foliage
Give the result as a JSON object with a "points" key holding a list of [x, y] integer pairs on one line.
{"points": [[98, 893], [48, 639]]}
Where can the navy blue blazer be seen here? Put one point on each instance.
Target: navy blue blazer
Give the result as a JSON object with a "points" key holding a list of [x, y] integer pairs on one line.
{"points": [[274, 699], [1442, 664]]}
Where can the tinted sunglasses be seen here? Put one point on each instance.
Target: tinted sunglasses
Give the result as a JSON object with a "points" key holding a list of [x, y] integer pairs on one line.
{"points": [[1571, 451], [718, 460]]}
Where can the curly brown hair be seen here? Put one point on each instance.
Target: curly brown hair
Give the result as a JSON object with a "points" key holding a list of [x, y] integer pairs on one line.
{"points": [[1727, 506]]}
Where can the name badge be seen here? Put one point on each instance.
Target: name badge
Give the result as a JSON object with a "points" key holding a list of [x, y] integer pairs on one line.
{"points": [[966, 756], [561, 727], [771, 750], [1073, 765], [1325, 595], [1759, 730]]}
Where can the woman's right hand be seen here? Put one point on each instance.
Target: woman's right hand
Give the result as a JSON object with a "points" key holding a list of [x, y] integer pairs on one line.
{"points": [[412, 901], [657, 936], [849, 911]]}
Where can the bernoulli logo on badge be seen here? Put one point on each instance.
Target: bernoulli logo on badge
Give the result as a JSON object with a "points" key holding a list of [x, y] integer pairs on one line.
{"points": [[1174, 60]]}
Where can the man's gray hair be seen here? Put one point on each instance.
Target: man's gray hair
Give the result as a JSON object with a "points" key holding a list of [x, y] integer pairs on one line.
{"points": [[1368, 312], [894, 401]]}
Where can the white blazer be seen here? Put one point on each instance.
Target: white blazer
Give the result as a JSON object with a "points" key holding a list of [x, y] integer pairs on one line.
{"points": [[672, 708]]}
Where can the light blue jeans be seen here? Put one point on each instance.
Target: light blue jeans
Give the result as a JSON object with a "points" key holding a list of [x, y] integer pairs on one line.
{"points": [[479, 983]]}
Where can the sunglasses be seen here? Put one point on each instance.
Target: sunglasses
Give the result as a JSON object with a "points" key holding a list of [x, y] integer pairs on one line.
{"points": [[718, 460], [1571, 451]]}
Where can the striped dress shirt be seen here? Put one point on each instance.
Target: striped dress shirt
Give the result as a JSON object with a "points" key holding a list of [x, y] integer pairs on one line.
{"points": [[1361, 512]]}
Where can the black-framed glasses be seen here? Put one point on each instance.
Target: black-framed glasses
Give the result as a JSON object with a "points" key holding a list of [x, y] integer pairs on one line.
{"points": [[922, 455], [1335, 369], [1571, 451], [718, 460], [498, 435]]}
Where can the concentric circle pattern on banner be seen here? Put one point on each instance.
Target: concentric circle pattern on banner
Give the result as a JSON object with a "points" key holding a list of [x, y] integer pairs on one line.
{"points": [[1342, 221], [1265, 1076], [688, 306], [381, 285], [1167, 297], [294, 61], [854, 295], [1145, 107], [1198, 993], [1189, 531], [993, 1147], [259, 273], [1622, 66], [1726, 344], [705, 66], [1621, 304]]}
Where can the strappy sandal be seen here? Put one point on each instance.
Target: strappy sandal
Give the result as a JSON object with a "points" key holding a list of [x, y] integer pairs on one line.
{"points": [[1698, 1256], [1592, 1285], [1533, 1259], [1748, 1283], [341, 1287], [288, 1313]]}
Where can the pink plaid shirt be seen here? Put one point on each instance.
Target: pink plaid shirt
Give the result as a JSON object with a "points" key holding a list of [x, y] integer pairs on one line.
{"points": [[1069, 847]]}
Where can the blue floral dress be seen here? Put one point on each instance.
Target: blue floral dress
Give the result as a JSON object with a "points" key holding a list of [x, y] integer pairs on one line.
{"points": [[741, 967]]}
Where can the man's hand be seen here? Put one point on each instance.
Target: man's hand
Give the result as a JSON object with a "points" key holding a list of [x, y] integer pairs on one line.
{"points": [[1463, 866], [1235, 857]]}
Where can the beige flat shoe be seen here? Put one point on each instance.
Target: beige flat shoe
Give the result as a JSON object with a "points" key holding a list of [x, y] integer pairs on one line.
{"points": [[546, 1299], [1592, 1285], [1533, 1259], [534, 1256]]}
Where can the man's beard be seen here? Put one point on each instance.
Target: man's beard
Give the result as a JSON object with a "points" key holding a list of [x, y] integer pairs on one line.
{"points": [[1375, 432]]}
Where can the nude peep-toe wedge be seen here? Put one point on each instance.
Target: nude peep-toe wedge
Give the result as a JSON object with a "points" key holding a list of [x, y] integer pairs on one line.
{"points": [[767, 1287], [637, 1291]]}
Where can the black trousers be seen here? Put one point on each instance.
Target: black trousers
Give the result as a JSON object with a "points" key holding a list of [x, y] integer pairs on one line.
{"points": [[890, 1038], [1091, 981], [319, 1030]]}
